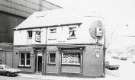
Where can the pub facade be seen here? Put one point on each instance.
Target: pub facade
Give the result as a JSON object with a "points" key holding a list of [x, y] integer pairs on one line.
{"points": [[49, 43]]}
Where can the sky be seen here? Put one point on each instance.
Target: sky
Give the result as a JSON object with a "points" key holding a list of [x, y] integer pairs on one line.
{"points": [[119, 16]]}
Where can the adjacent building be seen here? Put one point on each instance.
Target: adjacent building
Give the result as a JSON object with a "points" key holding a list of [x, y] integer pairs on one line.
{"points": [[59, 42], [13, 12]]}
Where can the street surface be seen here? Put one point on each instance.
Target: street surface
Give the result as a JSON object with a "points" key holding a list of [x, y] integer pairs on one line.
{"points": [[125, 72]]}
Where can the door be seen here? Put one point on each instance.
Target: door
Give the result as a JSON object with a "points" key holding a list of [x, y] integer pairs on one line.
{"points": [[39, 63]]}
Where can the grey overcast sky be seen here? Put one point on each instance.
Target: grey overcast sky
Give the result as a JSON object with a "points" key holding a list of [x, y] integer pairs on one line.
{"points": [[118, 11], [119, 17]]}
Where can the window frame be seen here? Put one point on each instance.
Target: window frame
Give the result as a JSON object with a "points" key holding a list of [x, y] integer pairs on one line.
{"points": [[49, 58], [28, 34], [25, 59], [68, 52], [72, 29]]}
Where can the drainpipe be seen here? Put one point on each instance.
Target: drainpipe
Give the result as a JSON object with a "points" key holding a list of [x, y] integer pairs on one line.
{"points": [[45, 54], [104, 49]]}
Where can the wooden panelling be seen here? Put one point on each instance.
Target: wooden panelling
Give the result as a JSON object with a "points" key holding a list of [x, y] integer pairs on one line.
{"points": [[70, 69]]}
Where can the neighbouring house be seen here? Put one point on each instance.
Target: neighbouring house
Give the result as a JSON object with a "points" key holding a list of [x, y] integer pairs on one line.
{"points": [[6, 51], [59, 42]]}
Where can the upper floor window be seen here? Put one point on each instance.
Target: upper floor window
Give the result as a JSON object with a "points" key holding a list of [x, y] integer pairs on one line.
{"points": [[38, 36], [29, 34], [52, 30], [72, 32]]}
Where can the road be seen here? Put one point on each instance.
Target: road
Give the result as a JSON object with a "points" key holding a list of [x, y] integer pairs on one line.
{"points": [[17, 78], [125, 72]]}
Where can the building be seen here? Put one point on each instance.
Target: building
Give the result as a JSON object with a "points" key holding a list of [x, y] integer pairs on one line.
{"points": [[13, 12], [59, 42]]}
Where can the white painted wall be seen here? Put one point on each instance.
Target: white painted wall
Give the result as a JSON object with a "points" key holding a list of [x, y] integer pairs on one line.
{"points": [[21, 37], [60, 37]]}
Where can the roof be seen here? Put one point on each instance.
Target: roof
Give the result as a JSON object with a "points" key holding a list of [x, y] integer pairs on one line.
{"points": [[50, 18]]}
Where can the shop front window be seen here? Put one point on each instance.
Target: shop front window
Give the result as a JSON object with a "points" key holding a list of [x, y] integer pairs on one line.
{"points": [[71, 58], [24, 59]]}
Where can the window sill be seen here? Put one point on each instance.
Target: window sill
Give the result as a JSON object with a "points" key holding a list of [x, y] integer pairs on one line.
{"points": [[29, 38], [71, 38], [71, 64], [51, 63], [24, 66]]}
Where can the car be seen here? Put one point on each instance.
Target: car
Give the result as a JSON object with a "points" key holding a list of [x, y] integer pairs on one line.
{"points": [[112, 67], [111, 64], [123, 57], [8, 71]]}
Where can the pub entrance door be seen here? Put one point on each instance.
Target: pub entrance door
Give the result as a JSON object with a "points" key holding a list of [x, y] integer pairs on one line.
{"points": [[38, 61]]}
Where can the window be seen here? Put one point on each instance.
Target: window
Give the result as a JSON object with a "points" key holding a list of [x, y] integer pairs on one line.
{"points": [[29, 34], [52, 57], [72, 32], [52, 30], [38, 36], [71, 58], [24, 59], [28, 59]]}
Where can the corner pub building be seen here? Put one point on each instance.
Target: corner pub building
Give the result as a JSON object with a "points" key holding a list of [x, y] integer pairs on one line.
{"points": [[56, 42]]}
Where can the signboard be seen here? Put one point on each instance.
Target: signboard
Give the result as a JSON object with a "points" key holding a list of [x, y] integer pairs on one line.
{"points": [[38, 36], [96, 30]]}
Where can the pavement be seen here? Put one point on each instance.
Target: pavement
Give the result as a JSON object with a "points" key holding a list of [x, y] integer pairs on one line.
{"points": [[125, 72]]}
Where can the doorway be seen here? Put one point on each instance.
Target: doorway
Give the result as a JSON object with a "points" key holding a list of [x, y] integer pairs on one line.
{"points": [[38, 61], [39, 64]]}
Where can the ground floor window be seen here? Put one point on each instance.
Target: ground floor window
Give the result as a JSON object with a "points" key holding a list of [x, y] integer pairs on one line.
{"points": [[24, 58], [52, 57], [71, 58]]}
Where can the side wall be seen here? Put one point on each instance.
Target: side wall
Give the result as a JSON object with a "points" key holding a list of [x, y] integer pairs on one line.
{"points": [[16, 59], [93, 61]]}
